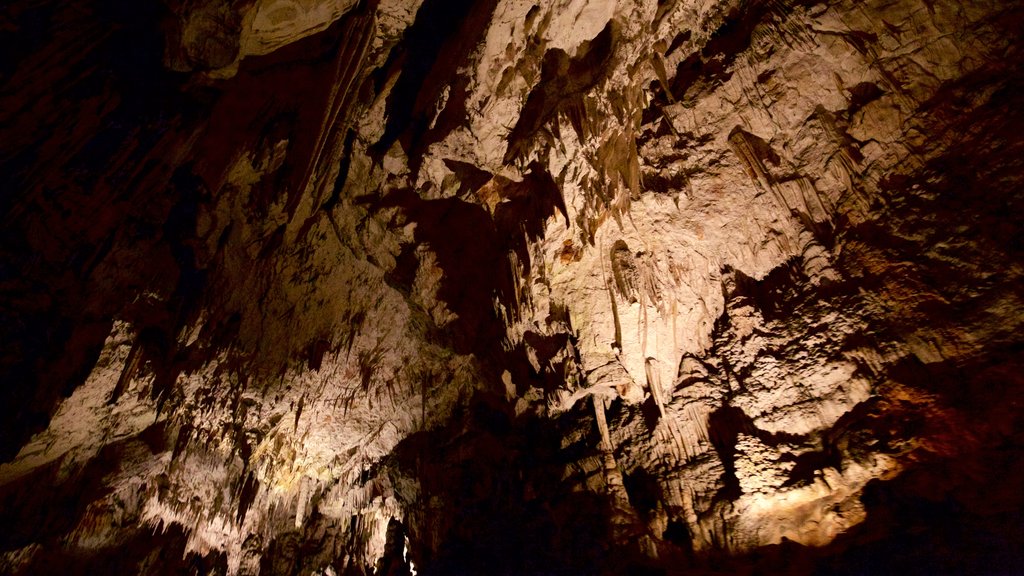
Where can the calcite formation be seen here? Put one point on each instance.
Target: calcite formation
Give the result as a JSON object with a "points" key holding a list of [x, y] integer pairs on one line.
{"points": [[511, 286]]}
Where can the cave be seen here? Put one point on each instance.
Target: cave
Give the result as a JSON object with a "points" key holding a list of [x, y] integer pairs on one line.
{"points": [[511, 287]]}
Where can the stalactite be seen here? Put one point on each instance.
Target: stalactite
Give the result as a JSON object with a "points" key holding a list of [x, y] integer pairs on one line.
{"points": [[326, 288], [752, 153], [654, 384]]}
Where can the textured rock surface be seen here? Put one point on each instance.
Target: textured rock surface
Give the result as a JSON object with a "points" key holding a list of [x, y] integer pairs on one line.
{"points": [[508, 286]]}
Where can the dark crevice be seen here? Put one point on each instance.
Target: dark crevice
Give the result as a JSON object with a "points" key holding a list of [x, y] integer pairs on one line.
{"points": [[443, 35], [563, 81]]}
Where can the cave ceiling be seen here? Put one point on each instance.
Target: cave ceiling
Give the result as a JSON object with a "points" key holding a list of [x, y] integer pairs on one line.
{"points": [[511, 286]]}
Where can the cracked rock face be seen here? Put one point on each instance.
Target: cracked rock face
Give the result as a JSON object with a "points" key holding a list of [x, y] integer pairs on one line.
{"points": [[511, 286]]}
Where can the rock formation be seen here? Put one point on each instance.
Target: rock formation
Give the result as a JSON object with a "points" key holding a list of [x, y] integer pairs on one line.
{"points": [[511, 286]]}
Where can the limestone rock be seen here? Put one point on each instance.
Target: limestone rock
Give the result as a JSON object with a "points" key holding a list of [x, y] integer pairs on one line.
{"points": [[511, 286]]}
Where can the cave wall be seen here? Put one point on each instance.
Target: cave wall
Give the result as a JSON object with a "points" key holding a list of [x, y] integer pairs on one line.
{"points": [[511, 286]]}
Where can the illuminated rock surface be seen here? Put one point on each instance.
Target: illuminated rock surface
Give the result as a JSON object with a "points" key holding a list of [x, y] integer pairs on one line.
{"points": [[511, 287]]}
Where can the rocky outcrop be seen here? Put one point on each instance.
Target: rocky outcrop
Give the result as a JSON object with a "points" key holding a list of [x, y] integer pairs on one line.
{"points": [[511, 287]]}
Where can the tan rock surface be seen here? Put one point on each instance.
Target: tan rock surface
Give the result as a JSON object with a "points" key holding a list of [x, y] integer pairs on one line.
{"points": [[509, 286]]}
